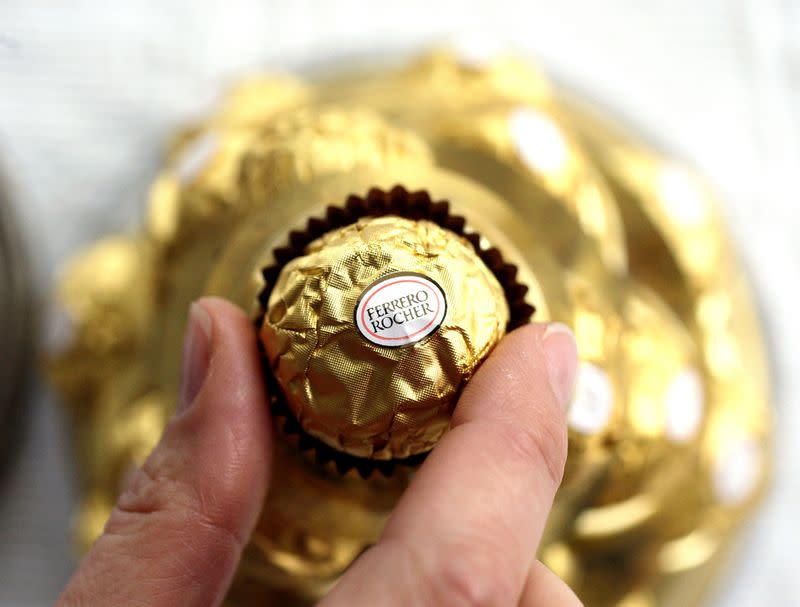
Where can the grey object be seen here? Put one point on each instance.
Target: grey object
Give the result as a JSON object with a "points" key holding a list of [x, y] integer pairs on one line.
{"points": [[16, 325]]}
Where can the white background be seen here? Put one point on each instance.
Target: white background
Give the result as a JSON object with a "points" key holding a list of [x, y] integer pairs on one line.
{"points": [[90, 90]]}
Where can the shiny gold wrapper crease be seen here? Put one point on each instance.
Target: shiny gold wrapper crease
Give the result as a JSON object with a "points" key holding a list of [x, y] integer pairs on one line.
{"points": [[359, 397]]}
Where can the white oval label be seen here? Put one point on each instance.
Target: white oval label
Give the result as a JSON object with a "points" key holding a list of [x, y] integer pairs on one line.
{"points": [[399, 309]]}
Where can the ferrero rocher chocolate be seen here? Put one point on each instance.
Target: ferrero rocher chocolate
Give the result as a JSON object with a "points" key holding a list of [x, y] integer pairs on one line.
{"points": [[384, 229], [374, 331]]}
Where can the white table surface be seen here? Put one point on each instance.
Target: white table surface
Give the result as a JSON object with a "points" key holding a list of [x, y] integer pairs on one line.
{"points": [[90, 90]]}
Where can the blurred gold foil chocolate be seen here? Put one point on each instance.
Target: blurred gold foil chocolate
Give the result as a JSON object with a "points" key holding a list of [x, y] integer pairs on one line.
{"points": [[564, 210], [386, 388]]}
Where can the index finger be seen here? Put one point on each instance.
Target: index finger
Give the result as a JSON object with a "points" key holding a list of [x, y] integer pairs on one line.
{"points": [[467, 529]]}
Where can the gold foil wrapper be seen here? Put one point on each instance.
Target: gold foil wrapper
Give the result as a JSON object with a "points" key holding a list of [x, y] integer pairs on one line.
{"points": [[670, 424], [371, 399]]}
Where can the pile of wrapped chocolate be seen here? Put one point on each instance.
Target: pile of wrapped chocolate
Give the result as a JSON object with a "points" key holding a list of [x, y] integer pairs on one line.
{"points": [[385, 229]]}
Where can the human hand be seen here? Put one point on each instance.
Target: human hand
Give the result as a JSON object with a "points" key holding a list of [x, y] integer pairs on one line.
{"points": [[464, 533]]}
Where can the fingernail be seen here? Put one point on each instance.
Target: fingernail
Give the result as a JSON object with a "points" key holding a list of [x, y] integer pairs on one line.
{"points": [[561, 359], [196, 353]]}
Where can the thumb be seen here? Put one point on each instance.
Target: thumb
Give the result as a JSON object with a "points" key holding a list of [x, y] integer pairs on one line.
{"points": [[177, 532]]}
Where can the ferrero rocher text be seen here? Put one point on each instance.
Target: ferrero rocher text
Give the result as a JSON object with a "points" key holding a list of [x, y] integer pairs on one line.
{"points": [[399, 311]]}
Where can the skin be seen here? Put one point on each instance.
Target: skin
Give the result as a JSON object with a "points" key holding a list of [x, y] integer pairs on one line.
{"points": [[464, 533]]}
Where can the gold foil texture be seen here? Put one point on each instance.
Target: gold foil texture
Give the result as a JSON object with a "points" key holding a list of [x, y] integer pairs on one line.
{"points": [[371, 400], [669, 428]]}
